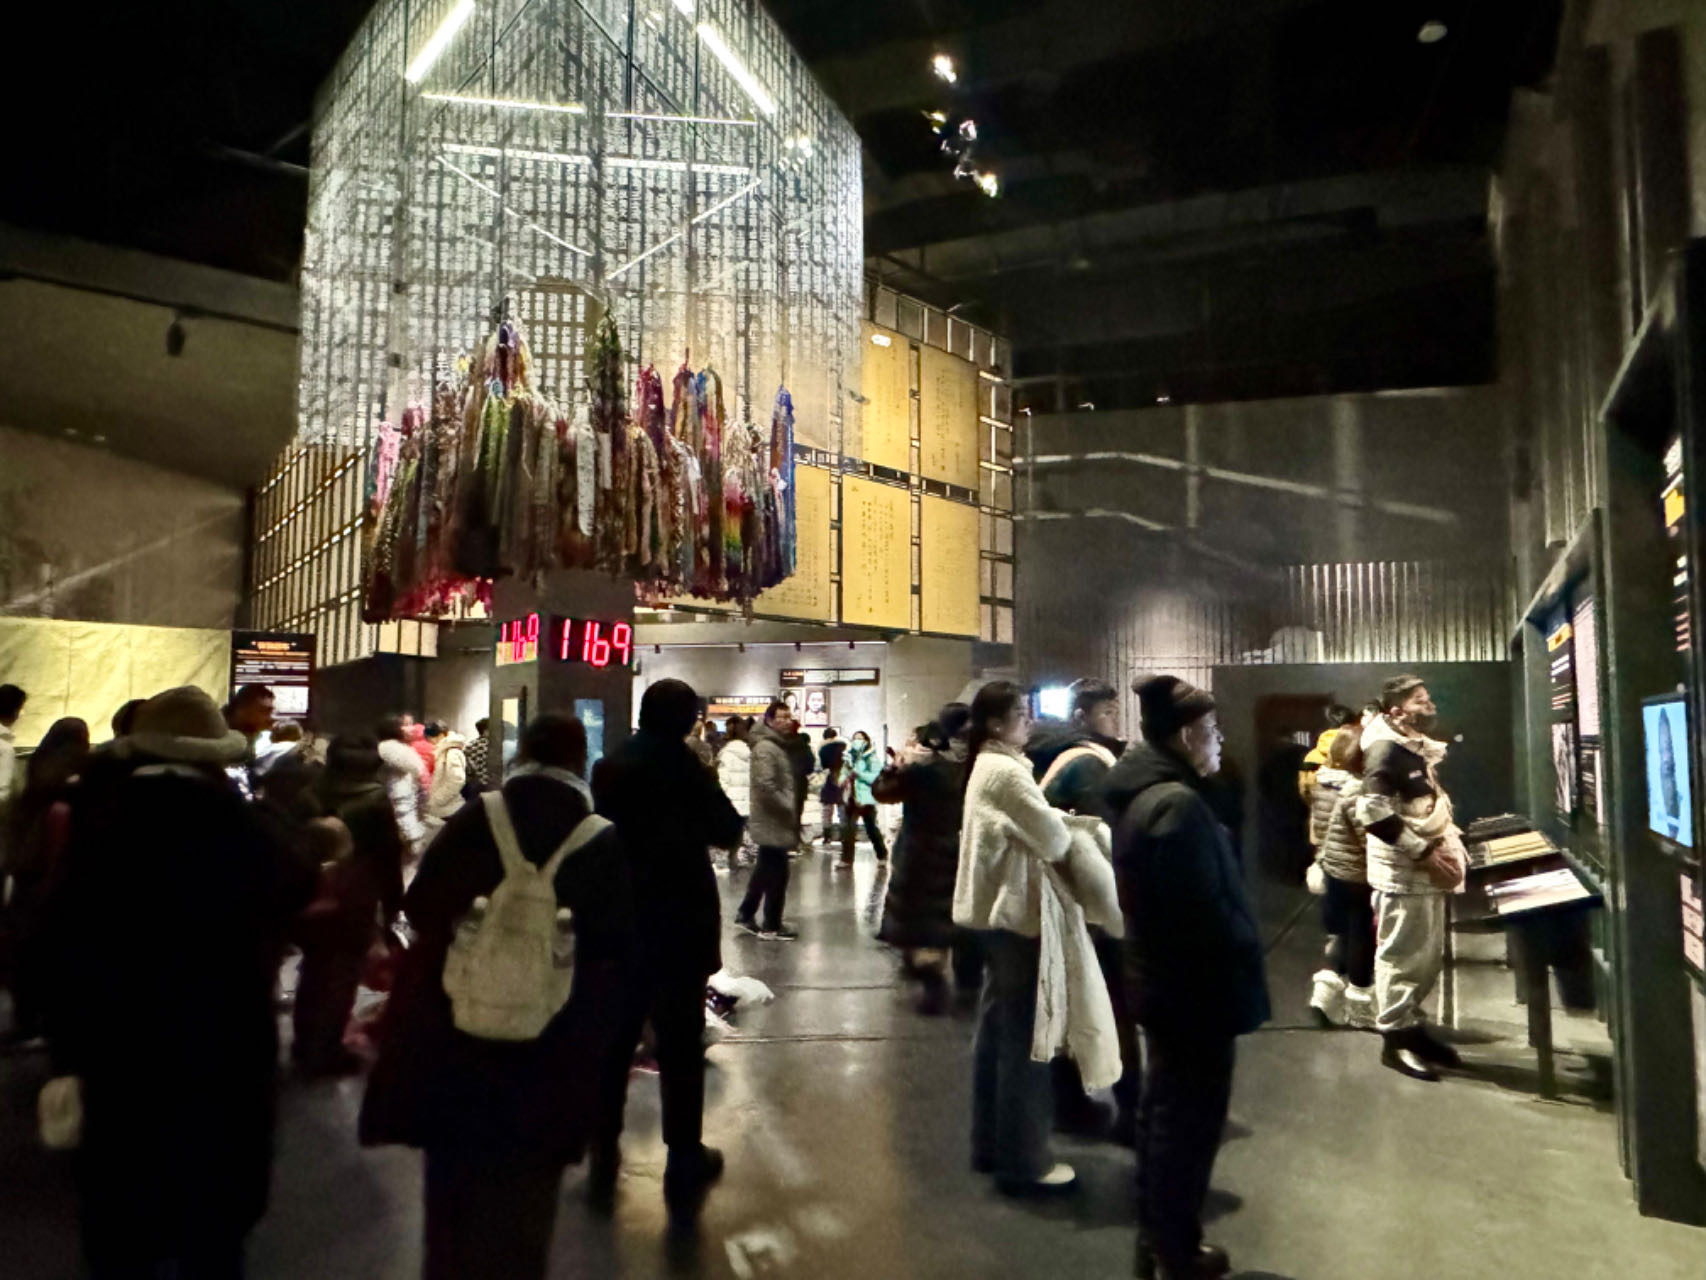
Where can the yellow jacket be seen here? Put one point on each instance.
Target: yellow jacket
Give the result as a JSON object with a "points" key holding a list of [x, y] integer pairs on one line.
{"points": [[1316, 759]]}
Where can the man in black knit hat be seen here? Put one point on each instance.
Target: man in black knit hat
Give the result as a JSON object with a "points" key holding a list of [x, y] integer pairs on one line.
{"points": [[1193, 967]]}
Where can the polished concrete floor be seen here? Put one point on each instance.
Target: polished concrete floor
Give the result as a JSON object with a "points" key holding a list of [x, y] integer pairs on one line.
{"points": [[845, 1119]]}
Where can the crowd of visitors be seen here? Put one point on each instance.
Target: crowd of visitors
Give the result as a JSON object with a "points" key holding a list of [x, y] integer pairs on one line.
{"points": [[542, 927]]}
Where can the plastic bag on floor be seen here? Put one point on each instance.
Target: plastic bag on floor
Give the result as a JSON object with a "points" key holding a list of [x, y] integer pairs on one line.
{"points": [[740, 990]]}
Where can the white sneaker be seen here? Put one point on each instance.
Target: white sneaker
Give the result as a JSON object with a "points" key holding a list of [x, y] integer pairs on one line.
{"points": [[1360, 1009], [1328, 998], [1062, 1175]]}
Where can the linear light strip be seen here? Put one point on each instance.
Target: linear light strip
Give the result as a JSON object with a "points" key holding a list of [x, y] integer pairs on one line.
{"points": [[665, 243], [439, 41], [509, 104], [735, 67], [618, 162], [666, 119], [723, 204]]}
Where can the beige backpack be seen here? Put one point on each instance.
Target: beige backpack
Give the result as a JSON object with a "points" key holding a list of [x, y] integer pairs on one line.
{"points": [[512, 962]]}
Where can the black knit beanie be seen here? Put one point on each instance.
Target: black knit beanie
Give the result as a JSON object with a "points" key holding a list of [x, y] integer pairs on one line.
{"points": [[1169, 704]]}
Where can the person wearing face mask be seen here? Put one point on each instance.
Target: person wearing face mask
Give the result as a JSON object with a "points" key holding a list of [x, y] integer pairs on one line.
{"points": [[861, 765], [1194, 976], [1415, 859]]}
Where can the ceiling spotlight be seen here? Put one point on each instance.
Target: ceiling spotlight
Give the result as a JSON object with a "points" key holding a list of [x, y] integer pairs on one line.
{"points": [[989, 184], [937, 118], [968, 130], [1432, 32], [175, 337], [943, 66]]}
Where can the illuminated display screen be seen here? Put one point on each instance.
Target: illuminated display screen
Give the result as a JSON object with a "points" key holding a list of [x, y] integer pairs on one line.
{"points": [[592, 642]]}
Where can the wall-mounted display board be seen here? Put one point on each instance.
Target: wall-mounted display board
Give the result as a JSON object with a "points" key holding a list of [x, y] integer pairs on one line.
{"points": [[947, 418], [876, 554], [948, 573], [808, 595], [282, 661], [800, 677], [886, 384]]}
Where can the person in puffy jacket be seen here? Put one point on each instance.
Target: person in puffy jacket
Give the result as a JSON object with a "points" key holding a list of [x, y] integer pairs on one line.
{"points": [[861, 765], [446, 791], [774, 824], [734, 767], [1343, 990], [1194, 970], [404, 776]]}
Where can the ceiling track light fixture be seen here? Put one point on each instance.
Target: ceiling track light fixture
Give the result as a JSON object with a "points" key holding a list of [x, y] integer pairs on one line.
{"points": [[713, 40], [944, 68], [439, 41]]}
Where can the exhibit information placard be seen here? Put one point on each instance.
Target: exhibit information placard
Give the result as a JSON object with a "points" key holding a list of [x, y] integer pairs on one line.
{"points": [[807, 594], [876, 554], [949, 567], [947, 418], [886, 383]]}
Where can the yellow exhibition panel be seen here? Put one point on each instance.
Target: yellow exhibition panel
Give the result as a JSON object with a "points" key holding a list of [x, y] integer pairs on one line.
{"points": [[948, 567], [886, 384], [947, 419], [876, 554], [806, 595], [91, 669]]}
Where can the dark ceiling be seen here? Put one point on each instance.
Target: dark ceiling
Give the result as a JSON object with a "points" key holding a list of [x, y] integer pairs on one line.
{"points": [[1201, 199]]}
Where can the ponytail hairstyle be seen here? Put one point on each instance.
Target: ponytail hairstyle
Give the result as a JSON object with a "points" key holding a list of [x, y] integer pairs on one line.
{"points": [[994, 702]]}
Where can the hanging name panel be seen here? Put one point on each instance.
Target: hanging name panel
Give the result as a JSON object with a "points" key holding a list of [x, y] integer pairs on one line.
{"points": [[947, 418], [876, 554], [886, 383]]}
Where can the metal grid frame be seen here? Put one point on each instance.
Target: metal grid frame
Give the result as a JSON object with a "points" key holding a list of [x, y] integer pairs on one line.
{"points": [[716, 231]]}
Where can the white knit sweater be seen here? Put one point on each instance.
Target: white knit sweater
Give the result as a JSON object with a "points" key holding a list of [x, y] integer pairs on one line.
{"points": [[1009, 831]]}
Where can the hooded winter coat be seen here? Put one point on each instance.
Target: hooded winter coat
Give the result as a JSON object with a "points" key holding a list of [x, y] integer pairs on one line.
{"points": [[734, 774], [1329, 785], [919, 908], [1400, 791], [775, 816], [165, 929], [449, 776], [1343, 851], [436, 1087], [404, 776], [1009, 832], [1193, 955]]}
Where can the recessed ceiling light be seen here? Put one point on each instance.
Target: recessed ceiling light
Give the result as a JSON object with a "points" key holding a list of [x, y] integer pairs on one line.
{"points": [[1432, 32], [943, 66]]}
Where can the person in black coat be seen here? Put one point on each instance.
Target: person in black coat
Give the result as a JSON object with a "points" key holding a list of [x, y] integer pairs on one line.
{"points": [[918, 912], [165, 927], [363, 891], [501, 1120], [669, 812], [1194, 978]]}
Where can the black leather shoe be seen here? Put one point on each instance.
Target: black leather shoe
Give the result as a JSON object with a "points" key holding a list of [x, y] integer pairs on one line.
{"points": [[1429, 1048], [1210, 1263], [685, 1182], [1399, 1054]]}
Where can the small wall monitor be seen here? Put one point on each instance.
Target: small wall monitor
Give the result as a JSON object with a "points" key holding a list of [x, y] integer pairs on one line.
{"points": [[1670, 797]]}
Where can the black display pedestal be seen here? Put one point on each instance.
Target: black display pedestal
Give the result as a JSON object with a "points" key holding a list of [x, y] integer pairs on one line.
{"points": [[580, 661]]}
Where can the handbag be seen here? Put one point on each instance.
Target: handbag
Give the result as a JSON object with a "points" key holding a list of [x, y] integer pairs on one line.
{"points": [[1316, 879]]}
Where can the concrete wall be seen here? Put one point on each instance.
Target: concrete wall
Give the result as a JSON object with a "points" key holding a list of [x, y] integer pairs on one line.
{"points": [[86, 534]]}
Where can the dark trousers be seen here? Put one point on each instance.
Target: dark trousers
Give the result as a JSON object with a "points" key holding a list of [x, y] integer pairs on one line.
{"points": [[768, 886], [849, 832], [488, 1215], [334, 956], [1186, 1093], [1012, 1100], [1347, 910], [675, 1006]]}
